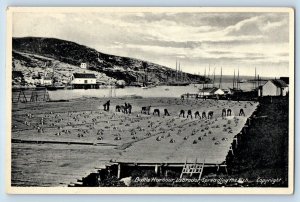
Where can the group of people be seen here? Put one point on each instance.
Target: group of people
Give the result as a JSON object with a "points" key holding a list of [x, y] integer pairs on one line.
{"points": [[146, 110], [227, 112], [196, 114], [127, 108]]}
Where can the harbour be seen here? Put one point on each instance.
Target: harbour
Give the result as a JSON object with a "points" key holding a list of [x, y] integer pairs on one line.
{"points": [[147, 99]]}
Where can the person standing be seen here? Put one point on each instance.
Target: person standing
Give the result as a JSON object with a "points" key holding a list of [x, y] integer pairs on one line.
{"points": [[107, 105]]}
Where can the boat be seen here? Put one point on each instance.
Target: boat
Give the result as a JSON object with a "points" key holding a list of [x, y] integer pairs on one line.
{"points": [[120, 85], [235, 90], [235, 84], [136, 84], [180, 77], [55, 87], [242, 81], [177, 83]]}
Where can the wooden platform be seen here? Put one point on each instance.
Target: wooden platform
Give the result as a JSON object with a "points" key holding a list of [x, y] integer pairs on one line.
{"points": [[211, 143], [79, 121]]}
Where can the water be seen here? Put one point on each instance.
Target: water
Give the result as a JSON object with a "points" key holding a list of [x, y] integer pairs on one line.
{"points": [[159, 91]]}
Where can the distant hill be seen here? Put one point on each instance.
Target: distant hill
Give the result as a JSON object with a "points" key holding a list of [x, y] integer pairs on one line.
{"points": [[40, 52]]}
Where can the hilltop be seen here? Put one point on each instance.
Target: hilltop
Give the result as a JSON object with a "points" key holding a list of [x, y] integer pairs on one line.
{"points": [[36, 54]]}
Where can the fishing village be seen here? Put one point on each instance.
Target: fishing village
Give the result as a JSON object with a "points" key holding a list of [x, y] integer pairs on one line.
{"points": [[151, 98], [111, 139]]}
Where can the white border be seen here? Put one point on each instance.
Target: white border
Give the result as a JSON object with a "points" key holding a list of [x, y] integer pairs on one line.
{"points": [[147, 190]]}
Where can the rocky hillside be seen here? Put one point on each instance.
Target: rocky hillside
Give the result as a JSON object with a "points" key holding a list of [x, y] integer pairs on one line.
{"points": [[33, 54]]}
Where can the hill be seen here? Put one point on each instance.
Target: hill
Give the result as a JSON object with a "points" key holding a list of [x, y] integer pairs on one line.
{"points": [[36, 54]]}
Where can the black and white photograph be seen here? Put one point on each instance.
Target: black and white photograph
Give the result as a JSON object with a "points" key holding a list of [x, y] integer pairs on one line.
{"points": [[150, 100]]}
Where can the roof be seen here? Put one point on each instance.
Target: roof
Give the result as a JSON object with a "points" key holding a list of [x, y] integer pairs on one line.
{"points": [[209, 90], [215, 90], [84, 76], [285, 79], [279, 83]]}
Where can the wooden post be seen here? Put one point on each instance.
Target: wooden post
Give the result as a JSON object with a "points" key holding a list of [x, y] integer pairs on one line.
{"points": [[156, 169], [230, 149], [119, 170], [201, 171], [236, 141], [226, 169]]}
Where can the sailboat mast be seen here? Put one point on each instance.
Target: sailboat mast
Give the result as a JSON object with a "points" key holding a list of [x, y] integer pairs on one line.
{"points": [[255, 79], [238, 79], [209, 71], [220, 84], [214, 76], [176, 71], [233, 83], [179, 71], [204, 78]]}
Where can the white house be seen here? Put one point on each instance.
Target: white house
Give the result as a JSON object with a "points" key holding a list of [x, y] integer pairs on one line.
{"points": [[84, 80], [211, 91], [275, 87], [83, 65], [47, 81]]}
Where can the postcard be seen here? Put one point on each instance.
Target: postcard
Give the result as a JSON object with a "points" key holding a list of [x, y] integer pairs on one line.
{"points": [[157, 100]]}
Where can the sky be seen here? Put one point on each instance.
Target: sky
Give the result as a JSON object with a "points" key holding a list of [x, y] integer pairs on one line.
{"points": [[197, 40]]}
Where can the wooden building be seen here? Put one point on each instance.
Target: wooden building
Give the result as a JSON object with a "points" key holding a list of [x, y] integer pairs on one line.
{"points": [[84, 81], [274, 87], [47, 81], [211, 91]]}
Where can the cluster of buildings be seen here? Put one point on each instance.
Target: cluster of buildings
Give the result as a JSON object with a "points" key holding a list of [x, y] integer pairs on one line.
{"points": [[77, 80], [273, 87]]}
